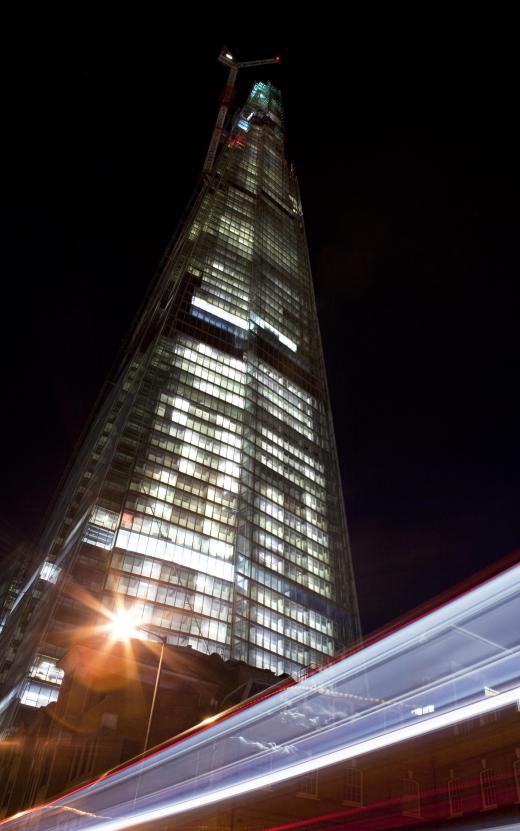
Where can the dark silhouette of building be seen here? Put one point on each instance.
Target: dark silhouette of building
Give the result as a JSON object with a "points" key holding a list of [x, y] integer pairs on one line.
{"points": [[101, 716]]}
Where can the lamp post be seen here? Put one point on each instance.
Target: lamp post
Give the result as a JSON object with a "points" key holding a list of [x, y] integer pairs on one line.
{"points": [[123, 628], [163, 640]]}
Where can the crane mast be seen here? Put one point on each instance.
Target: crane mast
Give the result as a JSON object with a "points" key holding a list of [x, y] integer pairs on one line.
{"points": [[228, 60]]}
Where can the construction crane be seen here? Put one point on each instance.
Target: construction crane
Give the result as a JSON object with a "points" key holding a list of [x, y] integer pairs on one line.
{"points": [[227, 59]]}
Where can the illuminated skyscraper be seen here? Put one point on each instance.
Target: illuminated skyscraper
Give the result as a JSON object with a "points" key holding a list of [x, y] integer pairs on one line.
{"points": [[207, 494]]}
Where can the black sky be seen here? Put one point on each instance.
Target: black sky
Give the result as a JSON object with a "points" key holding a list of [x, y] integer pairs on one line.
{"points": [[410, 181]]}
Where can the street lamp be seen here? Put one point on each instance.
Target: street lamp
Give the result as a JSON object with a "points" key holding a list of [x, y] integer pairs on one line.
{"points": [[123, 628]]}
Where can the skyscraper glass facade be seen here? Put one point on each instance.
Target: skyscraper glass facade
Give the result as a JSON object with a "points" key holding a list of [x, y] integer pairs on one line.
{"points": [[207, 495]]}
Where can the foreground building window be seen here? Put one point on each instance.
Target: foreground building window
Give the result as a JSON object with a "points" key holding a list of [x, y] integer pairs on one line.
{"points": [[455, 795], [411, 797], [488, 787], [353, 786]]}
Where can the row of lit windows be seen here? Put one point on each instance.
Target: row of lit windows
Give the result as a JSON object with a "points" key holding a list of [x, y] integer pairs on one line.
{"points": [[277, 249], [283, 386], [156, 593], [195, 478], [290, 461], [261, 658], [228, 269], [207, 517], [231, 241], [277, 257], [305, 503], [197, 352], [274, 581], [272, 501], [288, 473], [44, 669], [188, 502], [279, 645], [282, 286], [297, 517], [270, 471], [278, 231], [218, 287], [207, 402], [225, 307], [215, 390], [197, 375], [206, 422], [228, 446], [220, 294], [353, 790], [221, 490], [289, 608], [292, 548], [285, 412], [210, 250], [175, 574], [182, 537], [273, 311], [187, 485], [282, 565], [281, 625], [295, 521], [190, 458], [187, 624], [189, 449], [206, 417], [238, 210], [246, 181], [234, 200], [182, 519], [278, 554], [209, 367], [225, 479]]}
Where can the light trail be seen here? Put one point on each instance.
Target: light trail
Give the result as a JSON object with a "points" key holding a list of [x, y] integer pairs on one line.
{"points": [[457, 662]]}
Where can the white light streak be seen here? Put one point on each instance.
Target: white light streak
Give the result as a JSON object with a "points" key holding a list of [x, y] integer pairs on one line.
{"points": [[411, 731], [263, 324], [216, 311]]}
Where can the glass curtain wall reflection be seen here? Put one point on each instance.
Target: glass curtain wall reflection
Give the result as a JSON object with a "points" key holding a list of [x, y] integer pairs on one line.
{"points": [[207, 495]]}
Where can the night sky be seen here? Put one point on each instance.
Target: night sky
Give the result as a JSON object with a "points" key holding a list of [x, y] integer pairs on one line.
{"points": [[410, 181]]}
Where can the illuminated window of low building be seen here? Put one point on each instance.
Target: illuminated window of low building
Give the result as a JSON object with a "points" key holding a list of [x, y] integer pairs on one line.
{"points": [[353, 786], [488, 787], [45, 669], [38, 695], [455, 795]]}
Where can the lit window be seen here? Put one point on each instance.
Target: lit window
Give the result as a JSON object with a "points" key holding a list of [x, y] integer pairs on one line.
{"points": [[488, 788], [411, 797], [38, 695], [45, 669], [200, 303], [455, 795], [50, 572], [353, 786]]}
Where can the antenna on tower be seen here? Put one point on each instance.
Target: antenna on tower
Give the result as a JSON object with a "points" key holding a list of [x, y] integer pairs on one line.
{"points": [[226, 57]]}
